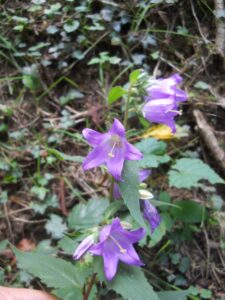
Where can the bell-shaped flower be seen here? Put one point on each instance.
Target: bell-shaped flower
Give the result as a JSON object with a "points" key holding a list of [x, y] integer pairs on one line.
{"points": [[150, 214], [166, 88], [116, 243], [162, 111], [110, 148]]}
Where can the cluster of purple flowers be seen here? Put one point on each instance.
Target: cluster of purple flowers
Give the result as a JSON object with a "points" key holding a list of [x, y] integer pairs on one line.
{"points": [[162, 101], [112, 149]]}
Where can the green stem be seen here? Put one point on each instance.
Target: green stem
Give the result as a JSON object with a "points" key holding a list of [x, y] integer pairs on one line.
{"points": [[127, 107], [111, 189]]}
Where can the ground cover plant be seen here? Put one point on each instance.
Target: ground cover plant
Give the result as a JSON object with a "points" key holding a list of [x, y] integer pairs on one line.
{"points": [[112, 148]]}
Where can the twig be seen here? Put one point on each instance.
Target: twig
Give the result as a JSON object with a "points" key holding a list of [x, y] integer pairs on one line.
{"points": [[198, 23], [210, 139], [220, 28]]}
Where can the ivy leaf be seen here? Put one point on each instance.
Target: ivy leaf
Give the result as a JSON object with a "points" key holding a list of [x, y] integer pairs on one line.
{"points": [[154, 153], [87, 215], [187, 172], [129, 189], [56, 227], [115, 93], [54, 272], [71, 26]]}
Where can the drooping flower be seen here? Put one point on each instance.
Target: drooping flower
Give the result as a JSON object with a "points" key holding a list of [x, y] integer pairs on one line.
{"points": [[116, 244], [84, 246], [166, 88], [110, 148], [162, 111], [150, 214], [142, 176]]}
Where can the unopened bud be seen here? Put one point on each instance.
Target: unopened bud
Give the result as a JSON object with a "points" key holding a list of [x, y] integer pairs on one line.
{"points": [[145, 195]]}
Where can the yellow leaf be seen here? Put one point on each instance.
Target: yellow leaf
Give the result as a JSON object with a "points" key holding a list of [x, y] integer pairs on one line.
{"points": [[161, 132]]}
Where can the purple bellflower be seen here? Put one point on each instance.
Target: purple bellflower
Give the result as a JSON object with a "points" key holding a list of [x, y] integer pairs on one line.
{"points": [[162, 101], [166, 88], [142, 176], [110, 148], [150, 214], [161, 111], [115, 243]]}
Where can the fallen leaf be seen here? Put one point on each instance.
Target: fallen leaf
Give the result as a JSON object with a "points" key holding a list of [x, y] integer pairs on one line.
{"points": [[160, 132]]}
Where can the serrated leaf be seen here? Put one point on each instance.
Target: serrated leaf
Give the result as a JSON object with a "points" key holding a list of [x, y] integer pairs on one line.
{"points": [[134, 76], [52, 271], [153, 152], [129, 189], [88, 215], [187, 172], [115, 93], [188, 211], [173, 295]]}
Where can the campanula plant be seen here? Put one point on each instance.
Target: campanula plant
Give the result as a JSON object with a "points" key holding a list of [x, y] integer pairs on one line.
{"points": [[110, 239]]}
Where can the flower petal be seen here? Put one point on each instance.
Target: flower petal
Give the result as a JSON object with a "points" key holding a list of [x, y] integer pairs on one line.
{"points": [[161, 111], [93, 137], [117, 128], [133, 236], [83, 247], [115, 164], [97, 249], [110, 259], [130, 257], [143, 174], [97, 156], [132, 153]]}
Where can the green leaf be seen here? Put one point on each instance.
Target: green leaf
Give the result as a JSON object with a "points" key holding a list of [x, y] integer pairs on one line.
{"points": [[52, 271], [154, 153], [67, 293], [115, 93], [187, 172], [129, 281], [71, 26], [134, 76], [88, 215], [129, 189], [188, 211], [56, 227], [171, 295]]}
